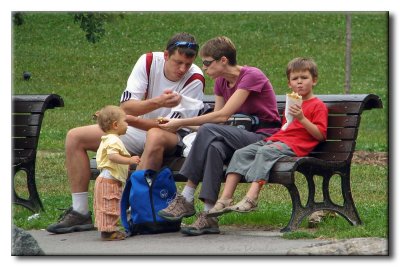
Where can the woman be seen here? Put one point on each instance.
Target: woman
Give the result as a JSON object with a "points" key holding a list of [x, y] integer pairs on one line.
{"points": [[237, 89]]}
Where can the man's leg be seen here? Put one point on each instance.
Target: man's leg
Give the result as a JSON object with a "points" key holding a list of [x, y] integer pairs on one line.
{"points": [[78, 142], [158, 142]]}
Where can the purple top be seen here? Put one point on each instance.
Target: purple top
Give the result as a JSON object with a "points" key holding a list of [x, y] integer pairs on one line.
{"points": [[261, 101]]}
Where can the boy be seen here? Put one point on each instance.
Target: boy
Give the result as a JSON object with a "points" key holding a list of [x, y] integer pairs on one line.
{"points": [[255, 161]]}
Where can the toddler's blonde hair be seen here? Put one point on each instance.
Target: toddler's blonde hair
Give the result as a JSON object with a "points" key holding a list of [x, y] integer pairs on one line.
{"points": [[108, 115]]}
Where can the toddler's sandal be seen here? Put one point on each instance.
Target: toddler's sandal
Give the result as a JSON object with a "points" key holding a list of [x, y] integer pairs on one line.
{"points": [[113, 236]]}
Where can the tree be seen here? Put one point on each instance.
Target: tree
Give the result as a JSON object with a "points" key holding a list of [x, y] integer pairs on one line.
{"points": [[92, 23], [348, 55]]}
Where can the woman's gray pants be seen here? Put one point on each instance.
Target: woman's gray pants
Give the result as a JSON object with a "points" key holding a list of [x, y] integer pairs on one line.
{"points": [[213, 147]]}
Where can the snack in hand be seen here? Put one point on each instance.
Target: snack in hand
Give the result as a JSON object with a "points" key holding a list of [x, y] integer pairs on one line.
{"points": [[161, 120], [294, 95], [291, 99]]}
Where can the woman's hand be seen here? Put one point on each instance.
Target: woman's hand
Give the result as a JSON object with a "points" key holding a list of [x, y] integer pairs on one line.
{"points": [[170, 125]]}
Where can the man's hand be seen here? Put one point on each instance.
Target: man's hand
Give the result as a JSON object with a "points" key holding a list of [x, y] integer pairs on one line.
{"points": [[169, 99]]}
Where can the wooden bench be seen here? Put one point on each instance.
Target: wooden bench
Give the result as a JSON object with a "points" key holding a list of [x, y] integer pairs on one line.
{"points": [[27, 115], [329, 158]]}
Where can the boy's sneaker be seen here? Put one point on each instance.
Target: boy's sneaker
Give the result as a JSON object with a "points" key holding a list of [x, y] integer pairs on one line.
{"points": [[71, 221], [221, 207], [203, 225], [177, 209]]}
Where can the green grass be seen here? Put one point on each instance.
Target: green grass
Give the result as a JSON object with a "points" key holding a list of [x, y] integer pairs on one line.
{"points": [[369, 188], [54, 49]]}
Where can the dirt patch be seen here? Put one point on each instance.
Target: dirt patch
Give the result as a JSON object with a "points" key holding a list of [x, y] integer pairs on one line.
{"points": [[371, 158]]}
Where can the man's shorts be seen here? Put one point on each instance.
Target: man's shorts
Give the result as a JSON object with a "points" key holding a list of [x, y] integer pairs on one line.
{"points": [[134, 141]]}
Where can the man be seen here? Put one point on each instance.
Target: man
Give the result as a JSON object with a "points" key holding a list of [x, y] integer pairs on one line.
{"points": [[156, 87]]}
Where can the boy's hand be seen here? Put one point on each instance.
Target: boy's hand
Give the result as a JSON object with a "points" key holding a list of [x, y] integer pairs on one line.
{"points": [[296, 111]]}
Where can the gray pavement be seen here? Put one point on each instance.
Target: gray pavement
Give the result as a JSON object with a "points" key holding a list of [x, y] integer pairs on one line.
{"points": [[231, 241]]}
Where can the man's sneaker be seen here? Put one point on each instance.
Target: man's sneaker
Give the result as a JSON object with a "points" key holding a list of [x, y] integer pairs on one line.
{"points": [[203, 225], [71, 221], [220, 207], [177, 209]]}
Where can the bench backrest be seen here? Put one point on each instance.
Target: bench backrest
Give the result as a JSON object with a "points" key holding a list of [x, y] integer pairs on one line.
{"points": [[27, 116], [343, 122]]}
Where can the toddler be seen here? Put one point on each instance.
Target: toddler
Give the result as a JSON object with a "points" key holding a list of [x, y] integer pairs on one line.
{"points": [[113, 161]]}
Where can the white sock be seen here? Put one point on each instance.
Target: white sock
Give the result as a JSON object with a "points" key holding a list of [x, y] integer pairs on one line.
{"points": [[188, 193], [208, 205], [80, 202]]}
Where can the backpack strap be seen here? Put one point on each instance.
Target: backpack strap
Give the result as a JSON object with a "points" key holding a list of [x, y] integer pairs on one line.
{"points": [[125, 205], [149, 60], [196, 76]]}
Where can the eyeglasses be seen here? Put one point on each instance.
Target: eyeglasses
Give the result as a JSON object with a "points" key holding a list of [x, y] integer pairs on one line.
{"points": [[190, 45], [207, 63]]}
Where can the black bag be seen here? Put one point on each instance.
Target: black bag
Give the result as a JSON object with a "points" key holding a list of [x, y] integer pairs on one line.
{"points": [[244, 121], [250, 123]]}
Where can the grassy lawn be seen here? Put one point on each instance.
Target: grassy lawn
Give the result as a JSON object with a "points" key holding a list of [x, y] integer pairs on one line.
{"points": [[88, 76]]}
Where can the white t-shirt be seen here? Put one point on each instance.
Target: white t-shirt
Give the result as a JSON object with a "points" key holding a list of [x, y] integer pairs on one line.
{"points": [[138, 83], [136, 88]]}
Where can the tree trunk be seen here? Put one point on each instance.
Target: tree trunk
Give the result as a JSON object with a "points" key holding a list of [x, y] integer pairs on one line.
{"points": [[348, 55]]}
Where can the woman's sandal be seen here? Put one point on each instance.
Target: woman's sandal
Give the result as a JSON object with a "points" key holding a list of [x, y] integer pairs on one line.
{"points": [[220, 207], [245, 205], [113, 236]]}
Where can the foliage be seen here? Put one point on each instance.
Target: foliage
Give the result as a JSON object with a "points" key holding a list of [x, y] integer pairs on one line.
{"points": [[18, 18], [92, 23]]}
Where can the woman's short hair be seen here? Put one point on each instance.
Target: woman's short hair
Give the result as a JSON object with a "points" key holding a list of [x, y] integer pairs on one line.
{"points": [[219, 47]]}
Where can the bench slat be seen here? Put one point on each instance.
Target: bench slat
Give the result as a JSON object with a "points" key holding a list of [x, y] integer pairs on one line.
{"points": [[332, 157], [344, 121], [335, 146], [23, 131], [25, 143], [26, 119], [344, 108], [23, 155], [28, 107], [335, 107], [341, 133]]}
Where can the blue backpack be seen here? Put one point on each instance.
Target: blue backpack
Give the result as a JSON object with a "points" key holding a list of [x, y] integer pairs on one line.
{"points": [[146, 192]]}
